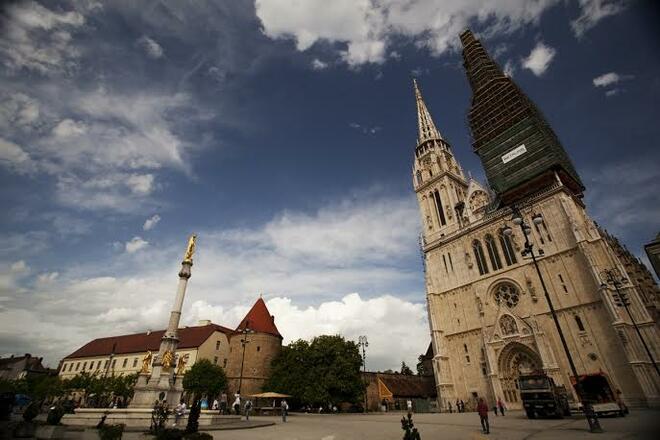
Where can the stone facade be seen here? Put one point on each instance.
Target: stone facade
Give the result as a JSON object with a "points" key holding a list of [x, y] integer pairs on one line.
{"points": [[489, 318]]}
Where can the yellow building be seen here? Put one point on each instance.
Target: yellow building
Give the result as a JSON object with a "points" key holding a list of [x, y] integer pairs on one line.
{"points": [[244, 353], [119, 355]]}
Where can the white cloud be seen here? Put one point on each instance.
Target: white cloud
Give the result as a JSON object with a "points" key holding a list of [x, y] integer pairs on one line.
{"points": [[151, 222], [593, 11], [610, 78], [135, 244], [364, 129], [539, 59], [307, 264], [613, 92], [68, 128], [14, 157], [150, 47], [141, 184], [318, 64], [509, 68], [19, 267], [24, 46], [365, 28]]}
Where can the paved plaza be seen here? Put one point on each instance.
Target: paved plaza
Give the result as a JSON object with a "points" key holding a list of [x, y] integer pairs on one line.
{"points": [[513, 426]]}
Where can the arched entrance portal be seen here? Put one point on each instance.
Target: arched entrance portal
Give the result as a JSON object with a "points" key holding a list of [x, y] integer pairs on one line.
{"points": [[516, 359]]}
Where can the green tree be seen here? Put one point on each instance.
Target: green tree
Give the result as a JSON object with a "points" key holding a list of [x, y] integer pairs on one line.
{"points": [[323, 371], [421, 366], [405, 369], [204, 378]]}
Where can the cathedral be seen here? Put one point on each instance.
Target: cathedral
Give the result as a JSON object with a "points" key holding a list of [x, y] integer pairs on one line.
{"points": [[489, 318]]}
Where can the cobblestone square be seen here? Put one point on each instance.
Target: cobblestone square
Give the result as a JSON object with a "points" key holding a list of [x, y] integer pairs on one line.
{"points": [[514, 425]]}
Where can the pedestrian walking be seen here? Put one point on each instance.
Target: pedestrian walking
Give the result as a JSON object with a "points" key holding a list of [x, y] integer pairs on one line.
{"points": [[237, 405], [215, 404], [495, 408], [248, 408], [500, 405], [462, 406], [449, 405], [409, 405], [458, 406], [223, 403], [179, 411], [285, 409], [482, 409]]}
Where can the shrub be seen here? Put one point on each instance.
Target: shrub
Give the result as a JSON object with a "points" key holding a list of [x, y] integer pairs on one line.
{"points": [[31, 411], [198, 436], [409, 430], [170, 434], [111, 432], [55, 414]]}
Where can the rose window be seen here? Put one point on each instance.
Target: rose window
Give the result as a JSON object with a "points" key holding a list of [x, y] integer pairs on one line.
{"points": [[508, 294]]}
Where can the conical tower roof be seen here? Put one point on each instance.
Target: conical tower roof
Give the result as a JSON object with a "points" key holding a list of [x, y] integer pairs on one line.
{"points": [[259, 319], [426, 127]]}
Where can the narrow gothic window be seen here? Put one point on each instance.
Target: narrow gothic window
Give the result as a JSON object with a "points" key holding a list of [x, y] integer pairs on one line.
{"points": [[451, 264], [479, 256], [438, 206], [547, 233], [538, 231], [419, 177], [578, 321], [507, 248], [493, 253], [465, 348], [444, 260]]}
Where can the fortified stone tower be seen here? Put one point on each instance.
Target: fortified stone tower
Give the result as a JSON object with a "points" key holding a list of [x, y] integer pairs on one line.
{"points": [[252, 349]]}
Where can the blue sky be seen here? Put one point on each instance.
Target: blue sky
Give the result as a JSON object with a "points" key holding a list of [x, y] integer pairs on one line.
{"points": [[282, 133]]}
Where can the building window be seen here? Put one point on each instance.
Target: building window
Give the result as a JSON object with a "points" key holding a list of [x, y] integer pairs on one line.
{"points": [[419, 177], [479, 256], [538, 231], [483, 370], [123, 365], [578, 321], [217, 345], [444, 260], [508, 294], [77, 365], [84, 366], [224, 363], [105, 364], [451, 264], [258, 348], [98, 365], [507, 248], [547, 233], [465, 348], [215, 360], [135, 361], [438, 206], [563, 285], [493, 253], [114, 363]]}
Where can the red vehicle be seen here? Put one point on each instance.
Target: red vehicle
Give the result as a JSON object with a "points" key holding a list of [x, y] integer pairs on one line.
{"points": [[598, 391]]}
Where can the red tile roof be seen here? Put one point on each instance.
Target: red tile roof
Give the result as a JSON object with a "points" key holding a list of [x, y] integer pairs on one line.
{"points": [[259, 320], [189, 337]]}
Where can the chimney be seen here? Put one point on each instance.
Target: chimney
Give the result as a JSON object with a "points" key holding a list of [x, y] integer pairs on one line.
{"points": [[272, 318], [203, 322], [148, 332]]}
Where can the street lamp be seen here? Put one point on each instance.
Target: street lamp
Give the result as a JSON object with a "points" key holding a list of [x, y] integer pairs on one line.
{"points": [[537, 219], [612, 277], [244, 342], [363, 343]]}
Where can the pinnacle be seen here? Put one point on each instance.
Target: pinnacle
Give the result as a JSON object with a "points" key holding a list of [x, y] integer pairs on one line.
{"points": [[426, 127]]}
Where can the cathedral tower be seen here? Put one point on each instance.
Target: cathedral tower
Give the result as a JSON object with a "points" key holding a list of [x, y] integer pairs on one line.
{"points": [[488, 317], [518, 149], [438, 178]]}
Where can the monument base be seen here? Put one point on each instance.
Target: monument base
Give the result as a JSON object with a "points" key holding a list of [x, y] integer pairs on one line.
{"points": [[138, 418], [148, 392]]}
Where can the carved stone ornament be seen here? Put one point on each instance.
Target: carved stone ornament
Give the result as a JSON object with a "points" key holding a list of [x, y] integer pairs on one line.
{"points": [[508, 325]]}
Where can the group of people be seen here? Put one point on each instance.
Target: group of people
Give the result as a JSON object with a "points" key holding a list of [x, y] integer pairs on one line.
{"points": [[181, 408]]}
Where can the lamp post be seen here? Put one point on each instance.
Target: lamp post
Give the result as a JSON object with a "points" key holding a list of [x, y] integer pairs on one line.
{"points": [[537, 219], [362, 342], [244, 342], [612, 277]]}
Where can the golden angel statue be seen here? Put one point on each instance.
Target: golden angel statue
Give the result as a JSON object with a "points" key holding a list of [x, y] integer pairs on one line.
{"points": [[168, 360], [190, 250], [146, 362], [180, 368]]}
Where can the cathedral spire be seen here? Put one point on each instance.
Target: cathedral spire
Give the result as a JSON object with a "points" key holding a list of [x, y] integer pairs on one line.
{"points": [[426, 127]]}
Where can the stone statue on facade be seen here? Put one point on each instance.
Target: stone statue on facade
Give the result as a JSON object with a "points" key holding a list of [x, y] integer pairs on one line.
{"points": [[181, 366]]}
